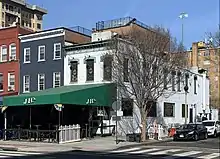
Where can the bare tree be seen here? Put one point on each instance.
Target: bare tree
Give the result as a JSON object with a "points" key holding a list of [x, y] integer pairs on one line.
{"points": [[145, 66]]}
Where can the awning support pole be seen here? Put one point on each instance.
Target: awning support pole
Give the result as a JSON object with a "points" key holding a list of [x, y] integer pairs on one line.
{"points": [[30, 118], [5, 133]]}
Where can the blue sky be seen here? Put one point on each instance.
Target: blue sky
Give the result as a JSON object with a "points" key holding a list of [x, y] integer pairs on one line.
{"points": [[203, 14]]}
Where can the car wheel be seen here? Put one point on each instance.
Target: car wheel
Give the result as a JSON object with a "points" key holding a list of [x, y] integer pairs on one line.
{"points": [[215, 134], [196, 137], [206, 136]]}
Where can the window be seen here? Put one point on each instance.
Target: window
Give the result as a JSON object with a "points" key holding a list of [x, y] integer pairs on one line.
{"points": [[38, 26], [57, 51], [90, 70], [173, 80], [183, 111], [179, 81], [207, 53], [152, 109], [125, 70], [4, 53], [12, 52], [187, 79], [11, 81], [107, 70], [74, 71], [27, 55], [41, 82], [1, 82], [41, 53], [195, 84], [169, 109], [56, 79], [127, 107], [26, 83]]}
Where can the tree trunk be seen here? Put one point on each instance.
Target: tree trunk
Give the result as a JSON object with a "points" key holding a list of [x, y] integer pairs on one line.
{"points": [[144, 126]]}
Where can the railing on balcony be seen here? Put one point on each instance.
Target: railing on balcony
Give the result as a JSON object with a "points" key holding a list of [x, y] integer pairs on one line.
{"points": [[81, 30], [119, 22]]}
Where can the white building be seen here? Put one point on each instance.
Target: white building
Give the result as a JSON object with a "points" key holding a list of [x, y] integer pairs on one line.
{"points": [[169, 110]]}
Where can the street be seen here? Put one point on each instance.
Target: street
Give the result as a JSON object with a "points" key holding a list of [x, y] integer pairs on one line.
{"points": [[203, 149]]}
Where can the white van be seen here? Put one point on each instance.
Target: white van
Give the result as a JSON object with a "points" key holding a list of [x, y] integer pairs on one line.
{"points": [[213, 127]]}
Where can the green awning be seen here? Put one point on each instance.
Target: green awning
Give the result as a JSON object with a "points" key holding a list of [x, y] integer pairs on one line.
{"points": [[90, 94]]}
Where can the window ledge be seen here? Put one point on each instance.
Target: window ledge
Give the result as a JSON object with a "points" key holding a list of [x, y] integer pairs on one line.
{"points": [[26, 92], [57, 58], [90, 81], [27, 62], [1, 90], [41, 60]]}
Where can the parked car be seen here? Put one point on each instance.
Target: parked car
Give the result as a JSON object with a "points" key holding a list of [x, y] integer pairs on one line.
{"points": [[213, 127], [191, 132]]}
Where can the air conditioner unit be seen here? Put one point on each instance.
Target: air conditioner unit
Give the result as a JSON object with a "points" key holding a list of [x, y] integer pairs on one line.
{"points": [[12, 58], [11, 88]]}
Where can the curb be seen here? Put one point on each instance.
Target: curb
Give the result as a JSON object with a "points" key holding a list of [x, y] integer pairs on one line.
{"points": [[144, 143]]}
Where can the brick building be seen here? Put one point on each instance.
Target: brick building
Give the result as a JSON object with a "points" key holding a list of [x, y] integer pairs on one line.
{"points": [[9, 59], [208, 59]]}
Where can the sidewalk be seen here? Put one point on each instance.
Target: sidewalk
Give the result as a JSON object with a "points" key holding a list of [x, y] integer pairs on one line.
{"points": [[97, 144]]}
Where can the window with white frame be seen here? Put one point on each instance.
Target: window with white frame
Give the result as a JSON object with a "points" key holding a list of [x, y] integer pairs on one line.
{"points": [[41, 53], [56, 79], [27, 55], [12, 51], [11, 81], [4, 53], [1, 82], [41, 82], [26, 83], [57, 51]]}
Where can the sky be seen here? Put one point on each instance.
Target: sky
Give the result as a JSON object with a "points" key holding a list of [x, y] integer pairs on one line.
{"points": [[204, 15]]}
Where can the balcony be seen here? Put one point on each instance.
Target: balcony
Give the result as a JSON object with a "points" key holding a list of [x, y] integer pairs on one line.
{"points": [[101, 25], [81, 30]]}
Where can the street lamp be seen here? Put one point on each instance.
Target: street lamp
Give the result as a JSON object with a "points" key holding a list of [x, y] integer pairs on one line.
{"points": [[182, 16]]}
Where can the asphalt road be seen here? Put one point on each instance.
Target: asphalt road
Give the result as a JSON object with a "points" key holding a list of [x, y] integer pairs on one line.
{"points": [[203, 149]]}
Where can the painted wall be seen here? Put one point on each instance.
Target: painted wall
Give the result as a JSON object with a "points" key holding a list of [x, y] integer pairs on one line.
{"points": [[198, 102], [46, 67]]}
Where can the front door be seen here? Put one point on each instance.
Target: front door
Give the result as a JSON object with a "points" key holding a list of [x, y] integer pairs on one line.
{"points": [[191, 115]]}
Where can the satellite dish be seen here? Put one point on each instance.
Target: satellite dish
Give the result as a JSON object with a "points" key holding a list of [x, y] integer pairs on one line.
{"points": [[116, 105]]}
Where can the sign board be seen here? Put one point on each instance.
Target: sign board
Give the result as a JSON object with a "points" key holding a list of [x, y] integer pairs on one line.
{"points": [[90, 101], [29, 100], [59, 107], [116, 105], [101, 113]]}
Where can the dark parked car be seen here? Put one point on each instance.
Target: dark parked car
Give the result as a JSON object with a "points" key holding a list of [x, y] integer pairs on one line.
{"points": [[191, 132]]}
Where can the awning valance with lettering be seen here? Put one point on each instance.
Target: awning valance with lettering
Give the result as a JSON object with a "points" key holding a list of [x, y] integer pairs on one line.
{"points": [[90, 94]]}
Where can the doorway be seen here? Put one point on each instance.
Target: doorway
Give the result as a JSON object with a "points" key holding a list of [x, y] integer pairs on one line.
{"points": [[191, 115]]}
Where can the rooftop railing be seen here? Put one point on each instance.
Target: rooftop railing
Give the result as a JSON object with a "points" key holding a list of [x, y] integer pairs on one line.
{"points": [[81, 30]]}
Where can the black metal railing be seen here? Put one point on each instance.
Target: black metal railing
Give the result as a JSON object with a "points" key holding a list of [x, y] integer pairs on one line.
{"points": [[81, 30], [30, 135]]}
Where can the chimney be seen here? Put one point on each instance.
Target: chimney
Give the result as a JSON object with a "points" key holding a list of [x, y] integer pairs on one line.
{"points": [[194, 56]]}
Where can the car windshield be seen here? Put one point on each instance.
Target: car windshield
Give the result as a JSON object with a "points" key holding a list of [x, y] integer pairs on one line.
{"points": [[210, 123], [188, 126]]}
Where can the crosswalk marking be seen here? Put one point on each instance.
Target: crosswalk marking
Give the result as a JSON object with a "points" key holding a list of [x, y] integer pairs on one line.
{"points": [[184, 154], [126, 150], [8, 154], [144, 151], [210, 156], [164, 152]]}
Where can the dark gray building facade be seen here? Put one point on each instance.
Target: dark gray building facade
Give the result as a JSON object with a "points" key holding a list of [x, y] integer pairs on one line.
{"points": [[42, 58]]}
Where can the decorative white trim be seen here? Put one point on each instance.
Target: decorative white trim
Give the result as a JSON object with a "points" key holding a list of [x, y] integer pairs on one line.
{"points": [[25, 51], [38, 81], [3, 46], [54, 51], [54, 77], [11, 58], [25, 83], [42, 35], [39, 47]]}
